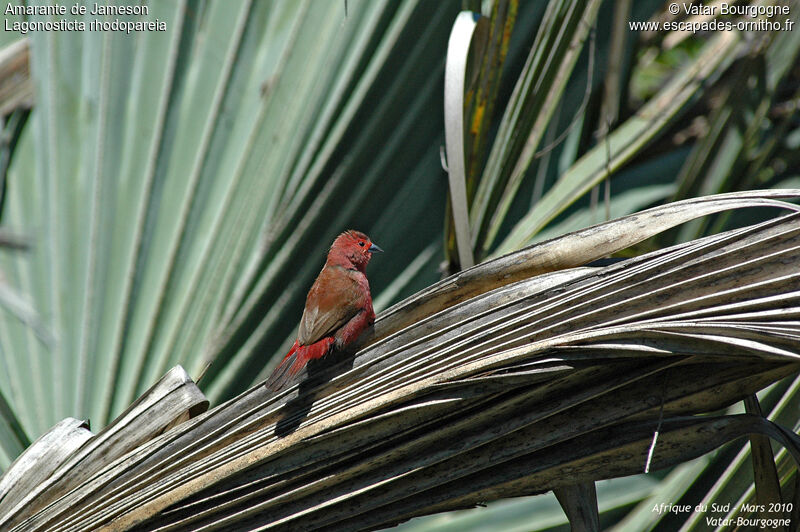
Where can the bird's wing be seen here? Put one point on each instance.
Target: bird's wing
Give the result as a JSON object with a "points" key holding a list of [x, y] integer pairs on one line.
{"points": [[335, 297]]}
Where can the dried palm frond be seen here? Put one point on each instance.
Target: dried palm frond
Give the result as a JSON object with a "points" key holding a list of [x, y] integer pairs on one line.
{"points": [[494, 383]]}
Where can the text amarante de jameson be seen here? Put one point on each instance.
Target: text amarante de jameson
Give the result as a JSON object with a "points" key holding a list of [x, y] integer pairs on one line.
{"points": [[61, 9]]}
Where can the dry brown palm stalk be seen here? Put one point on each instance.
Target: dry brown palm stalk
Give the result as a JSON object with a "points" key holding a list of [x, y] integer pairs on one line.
{"points": [[498, 382]]}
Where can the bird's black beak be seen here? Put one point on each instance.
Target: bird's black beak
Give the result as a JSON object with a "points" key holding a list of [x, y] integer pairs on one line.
{"points": [[373, 248]]}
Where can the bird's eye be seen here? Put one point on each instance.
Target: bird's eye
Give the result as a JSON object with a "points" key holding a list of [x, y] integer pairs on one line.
{"points": [[361, 243]]}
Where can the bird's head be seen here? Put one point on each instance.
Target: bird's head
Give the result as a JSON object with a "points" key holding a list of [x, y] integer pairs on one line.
{"points": [[352, 248]]}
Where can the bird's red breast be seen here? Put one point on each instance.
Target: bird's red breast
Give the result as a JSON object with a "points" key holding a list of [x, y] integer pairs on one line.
{"points": [[335, 297]]}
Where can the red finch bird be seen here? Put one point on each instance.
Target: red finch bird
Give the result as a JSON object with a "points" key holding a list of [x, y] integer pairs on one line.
{"points": [[338, 306]]}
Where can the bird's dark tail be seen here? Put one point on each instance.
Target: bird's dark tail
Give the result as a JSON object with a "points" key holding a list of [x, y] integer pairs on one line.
{"points": [[295, 360], [283, 372]]}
